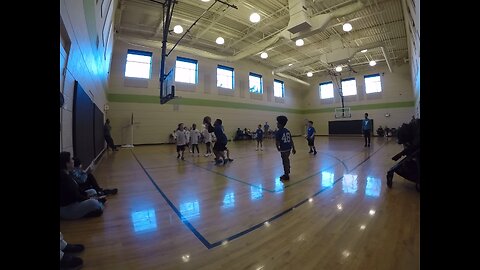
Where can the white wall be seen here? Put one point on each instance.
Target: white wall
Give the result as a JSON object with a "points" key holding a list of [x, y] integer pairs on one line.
{"points": [[237, 108], [411, 13], [396, 99], [85, 61]]}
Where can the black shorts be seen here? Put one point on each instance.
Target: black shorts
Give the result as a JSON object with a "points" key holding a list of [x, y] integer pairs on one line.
{"points": [[180, 148], [311, 141], [259, 139], [220, 146]]}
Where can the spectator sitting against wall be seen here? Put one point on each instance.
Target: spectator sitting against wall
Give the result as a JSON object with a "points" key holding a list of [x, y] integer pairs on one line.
{"points": [[380, 131], [75, 204], [238, 135], [86, 180], [247, 134]]}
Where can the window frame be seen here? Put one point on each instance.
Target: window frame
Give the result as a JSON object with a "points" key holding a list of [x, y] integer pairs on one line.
{"points": [[222, 67], [187, 60], [261, 82], [371, 76], [283, 87], [320, 89], [346, 80], [143, 53]]}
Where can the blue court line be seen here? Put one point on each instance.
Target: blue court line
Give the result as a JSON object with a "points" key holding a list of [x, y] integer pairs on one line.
{"points": [[306, 178], [231, 178], [271, 191], [235, 236], [205, 242], [332, 156], [182, 218], [368, 157]]}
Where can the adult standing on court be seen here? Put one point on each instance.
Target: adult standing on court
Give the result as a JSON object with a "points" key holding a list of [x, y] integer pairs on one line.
{"points": [[366, 129], [108, 135]]}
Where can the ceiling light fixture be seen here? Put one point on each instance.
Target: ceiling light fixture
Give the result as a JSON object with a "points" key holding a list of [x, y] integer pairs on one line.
{"points": [[205, 0], [372, 63], [264, 55], [347, 27], [338, 69], [254, 17], [309, 74], [220, 40], [178, 29], [364, 51], [290, 65], [299, 42]]}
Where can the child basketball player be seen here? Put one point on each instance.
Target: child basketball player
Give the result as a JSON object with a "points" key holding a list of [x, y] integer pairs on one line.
{"points": [[284, 142], [259, 137], [311, 138]]}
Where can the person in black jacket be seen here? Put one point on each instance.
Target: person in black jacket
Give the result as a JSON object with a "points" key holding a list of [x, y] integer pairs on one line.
{"points": [[86, 180], [108, 135], [221, 144], [73, 203]]}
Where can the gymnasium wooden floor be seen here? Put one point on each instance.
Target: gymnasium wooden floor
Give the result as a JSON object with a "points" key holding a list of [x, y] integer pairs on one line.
{"points": [[336, 212]]}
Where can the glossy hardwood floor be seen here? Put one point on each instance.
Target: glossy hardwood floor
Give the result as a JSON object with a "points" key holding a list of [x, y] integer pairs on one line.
{"points": [[336, 212]]}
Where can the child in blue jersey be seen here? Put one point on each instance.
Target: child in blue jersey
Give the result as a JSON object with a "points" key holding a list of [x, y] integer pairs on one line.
{"points": [[311, 138], [221, 143], [284, 142], [259, 137]]}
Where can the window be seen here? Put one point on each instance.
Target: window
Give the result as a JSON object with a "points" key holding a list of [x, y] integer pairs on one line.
{"points": [[373, 84], [278, 88], [255, 83], [326, 90], [138, 64], [225, 77], [349, 87], [186, 70]]}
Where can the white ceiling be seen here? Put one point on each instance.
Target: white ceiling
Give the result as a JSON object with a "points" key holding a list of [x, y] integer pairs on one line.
{"points": [[377, 22]]}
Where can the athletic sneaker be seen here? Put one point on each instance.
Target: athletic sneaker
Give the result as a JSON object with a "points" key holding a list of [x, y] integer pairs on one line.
{"points": [[70, 262], [285, 177], [112, 191], [73, 248]]}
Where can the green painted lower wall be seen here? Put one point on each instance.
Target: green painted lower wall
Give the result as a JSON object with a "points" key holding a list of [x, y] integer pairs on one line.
{"points": [[124, 98]]}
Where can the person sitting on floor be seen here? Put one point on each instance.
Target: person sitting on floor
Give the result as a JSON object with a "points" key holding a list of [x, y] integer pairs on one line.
{"points": [[86, 180], [75, 204]]}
